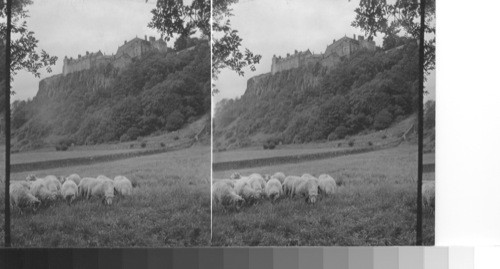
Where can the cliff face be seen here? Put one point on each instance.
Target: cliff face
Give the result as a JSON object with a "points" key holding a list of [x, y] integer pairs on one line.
{"points": [[160, 91], [367, 91]]}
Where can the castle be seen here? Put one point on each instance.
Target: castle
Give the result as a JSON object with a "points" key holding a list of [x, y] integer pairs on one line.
{"points": [[343, 47], [131, 49]]}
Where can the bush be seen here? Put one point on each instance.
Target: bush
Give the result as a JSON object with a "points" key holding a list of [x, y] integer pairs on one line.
{"points": [[143, 144], [271, 146], [339, 145], [384, 136], [370, 143], [340, 132], [124, 138], [131, 146], [176, 137], [382, 120], [162, 144], [174, 121], [63, 144], [132, 133], [351, 143], [61, 148], [265, 146]]}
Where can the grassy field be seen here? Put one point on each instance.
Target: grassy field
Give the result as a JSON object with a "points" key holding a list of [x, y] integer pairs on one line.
{"points": [[376, 205], [170, 206]]}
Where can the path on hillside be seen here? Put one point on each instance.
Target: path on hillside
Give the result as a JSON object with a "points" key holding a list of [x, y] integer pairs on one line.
{"points": [[49, 164], [270, 161]]}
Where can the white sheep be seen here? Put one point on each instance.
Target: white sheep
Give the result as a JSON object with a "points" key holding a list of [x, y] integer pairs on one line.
{"points": [[428, 194], [39, 189], [75, 177], [306, 187], [279, 176], [85, 186], [257, 182], [224, 195], [69, 190], [122, 185], [51, 182], [288, 184], [327, 184], [274, 189], [103, 188], [243, 188], [21, 197]]}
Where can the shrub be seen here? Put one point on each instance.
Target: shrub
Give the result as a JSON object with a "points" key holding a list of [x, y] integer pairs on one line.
{"points": [[382, 120], [271, 146], [265, 146], [384, 136], [339, 145], [131, 146], [340, 132], [370, 143], [143, 144], [162, 144], [61, 148], [174, 121], [176, 137], [351, 143], [133, 133], [124, 138], [63, 144]]}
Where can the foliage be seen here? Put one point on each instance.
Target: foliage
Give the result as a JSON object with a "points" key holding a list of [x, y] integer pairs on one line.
{"points": [[430, 114], [24, 54], [157, 92], [401, 17], [304, 105], [173, 17]]}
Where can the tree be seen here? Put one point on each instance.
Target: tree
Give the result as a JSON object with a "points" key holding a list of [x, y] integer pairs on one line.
{"points": [[173, 17], [24, 54], [400, 18]]}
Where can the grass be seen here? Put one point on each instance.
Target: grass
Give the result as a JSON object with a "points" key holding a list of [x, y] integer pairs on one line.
{"points": [[170, 206], [376, 205]]}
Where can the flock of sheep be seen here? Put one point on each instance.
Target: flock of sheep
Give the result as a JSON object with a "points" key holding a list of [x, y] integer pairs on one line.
{"points": [[240, 190], [36, 191]]}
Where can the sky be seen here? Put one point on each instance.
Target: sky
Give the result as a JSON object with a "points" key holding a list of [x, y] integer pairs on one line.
{"points": [[279, 27], [72, 27]]}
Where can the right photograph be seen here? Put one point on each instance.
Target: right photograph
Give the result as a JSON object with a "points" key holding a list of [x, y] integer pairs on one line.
{"points": [[316, 127]]}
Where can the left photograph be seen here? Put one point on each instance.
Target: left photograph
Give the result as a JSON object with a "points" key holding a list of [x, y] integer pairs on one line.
{"points": [[110, 124]]}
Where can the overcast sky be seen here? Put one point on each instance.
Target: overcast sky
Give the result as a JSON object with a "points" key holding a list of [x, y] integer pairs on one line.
{"points": [[72, 27], [281, 26]]}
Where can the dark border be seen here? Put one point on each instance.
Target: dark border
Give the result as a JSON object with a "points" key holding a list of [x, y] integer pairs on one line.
{"points": [[7, 124]]}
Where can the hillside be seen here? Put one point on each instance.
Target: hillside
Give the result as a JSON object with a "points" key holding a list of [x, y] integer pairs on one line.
{"points": [[157, 93], [368, 91]]}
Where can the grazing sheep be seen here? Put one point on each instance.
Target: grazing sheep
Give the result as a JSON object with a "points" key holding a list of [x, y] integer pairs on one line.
{"points": [[326, 184], [288, 184], [21, 197], [85, 186], [235, 175], [69, 190], [39, 189], [274, 189], [257, 182], [243, 188], [224, 195], [51, 182], [103, 188], [428, 194], [279, 176], [122, 185], [75, 177], [306, 187]]}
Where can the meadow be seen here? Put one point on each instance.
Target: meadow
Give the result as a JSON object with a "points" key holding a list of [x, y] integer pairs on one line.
{"points": [[170, 206], [375, 205]]}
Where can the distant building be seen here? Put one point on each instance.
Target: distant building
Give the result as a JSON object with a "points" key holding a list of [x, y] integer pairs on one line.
{"points": [[343, 47], [134, 48]]}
